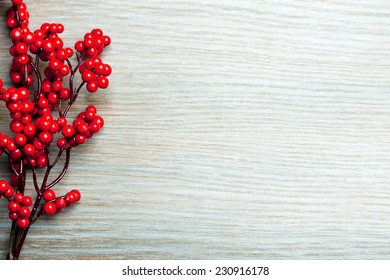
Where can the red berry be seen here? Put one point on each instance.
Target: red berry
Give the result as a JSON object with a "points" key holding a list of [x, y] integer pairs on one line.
{"points": [[64, 94], [21, 48], [55, 64], [80, 139], [42, 124], [103, 82], [28, 38], [38, 145], [106, 40], [60, 203], [26, 107], [89, 64], [92, 51], [16, 78], [77, 194], [70, 198], [42, 161], [45, 137], [27, 201], [79, 46], [60, 28], [94, 127], [92, 86], [9, 193], [22, 59], [47, 46], [49, 208], [88, 76], [4, 186], [57, 86], [29, 150], [97, 32], [53, 28], [81, 116], [11, 146], [49, 195], [62, 54], [42, 102], [55, 127], [82, 128], [23, 223], [15, 154], [13, 216], [65, 70], [68, 131], [99, 68], [20, 139], [24, 212], [13, 206], [29, 130], [18, 198], [16, 34], [62, 121], [108, 70], [91, 108]]}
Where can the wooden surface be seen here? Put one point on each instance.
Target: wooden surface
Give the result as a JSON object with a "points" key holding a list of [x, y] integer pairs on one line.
{"points": [[234, 130]]}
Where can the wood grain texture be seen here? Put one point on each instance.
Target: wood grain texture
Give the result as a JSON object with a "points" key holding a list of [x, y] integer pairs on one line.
{"points": [[234, 130]]}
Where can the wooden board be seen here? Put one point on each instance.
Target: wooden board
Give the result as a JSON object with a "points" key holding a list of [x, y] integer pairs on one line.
{"points": [[234, 130]]}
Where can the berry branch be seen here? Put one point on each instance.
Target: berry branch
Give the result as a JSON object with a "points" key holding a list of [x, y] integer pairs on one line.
{"points": [[38, 119]]}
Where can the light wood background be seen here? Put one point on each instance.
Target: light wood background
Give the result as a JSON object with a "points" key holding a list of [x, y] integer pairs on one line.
{"points": [[234, 130]]}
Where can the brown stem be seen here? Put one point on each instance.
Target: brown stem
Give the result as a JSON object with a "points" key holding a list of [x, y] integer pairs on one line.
{"points": [[39, 80], [14, 239], [63, 172]]}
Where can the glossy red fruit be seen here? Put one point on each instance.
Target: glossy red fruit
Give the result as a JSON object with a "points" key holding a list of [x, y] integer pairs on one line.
{"points": [[9, 193], [60, 203], [24, 212], [29, 150], [27, 201], [77, 194], [70, 198], [68, 131], [13, 216], [49, 208], [13, 206], [49, 195], [4, 186], [18, 198], [45, 137], [23, 223]]}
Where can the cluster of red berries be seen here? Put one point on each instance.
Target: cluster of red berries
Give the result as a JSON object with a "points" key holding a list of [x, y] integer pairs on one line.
{"points": [[83, 127], [94, 72], [93, 43], [19, 210], [54, 204], [31, 136], [39, 115]]}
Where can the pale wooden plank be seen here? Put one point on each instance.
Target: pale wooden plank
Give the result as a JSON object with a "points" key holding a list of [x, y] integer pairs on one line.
{"points": [[235, 129]]}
